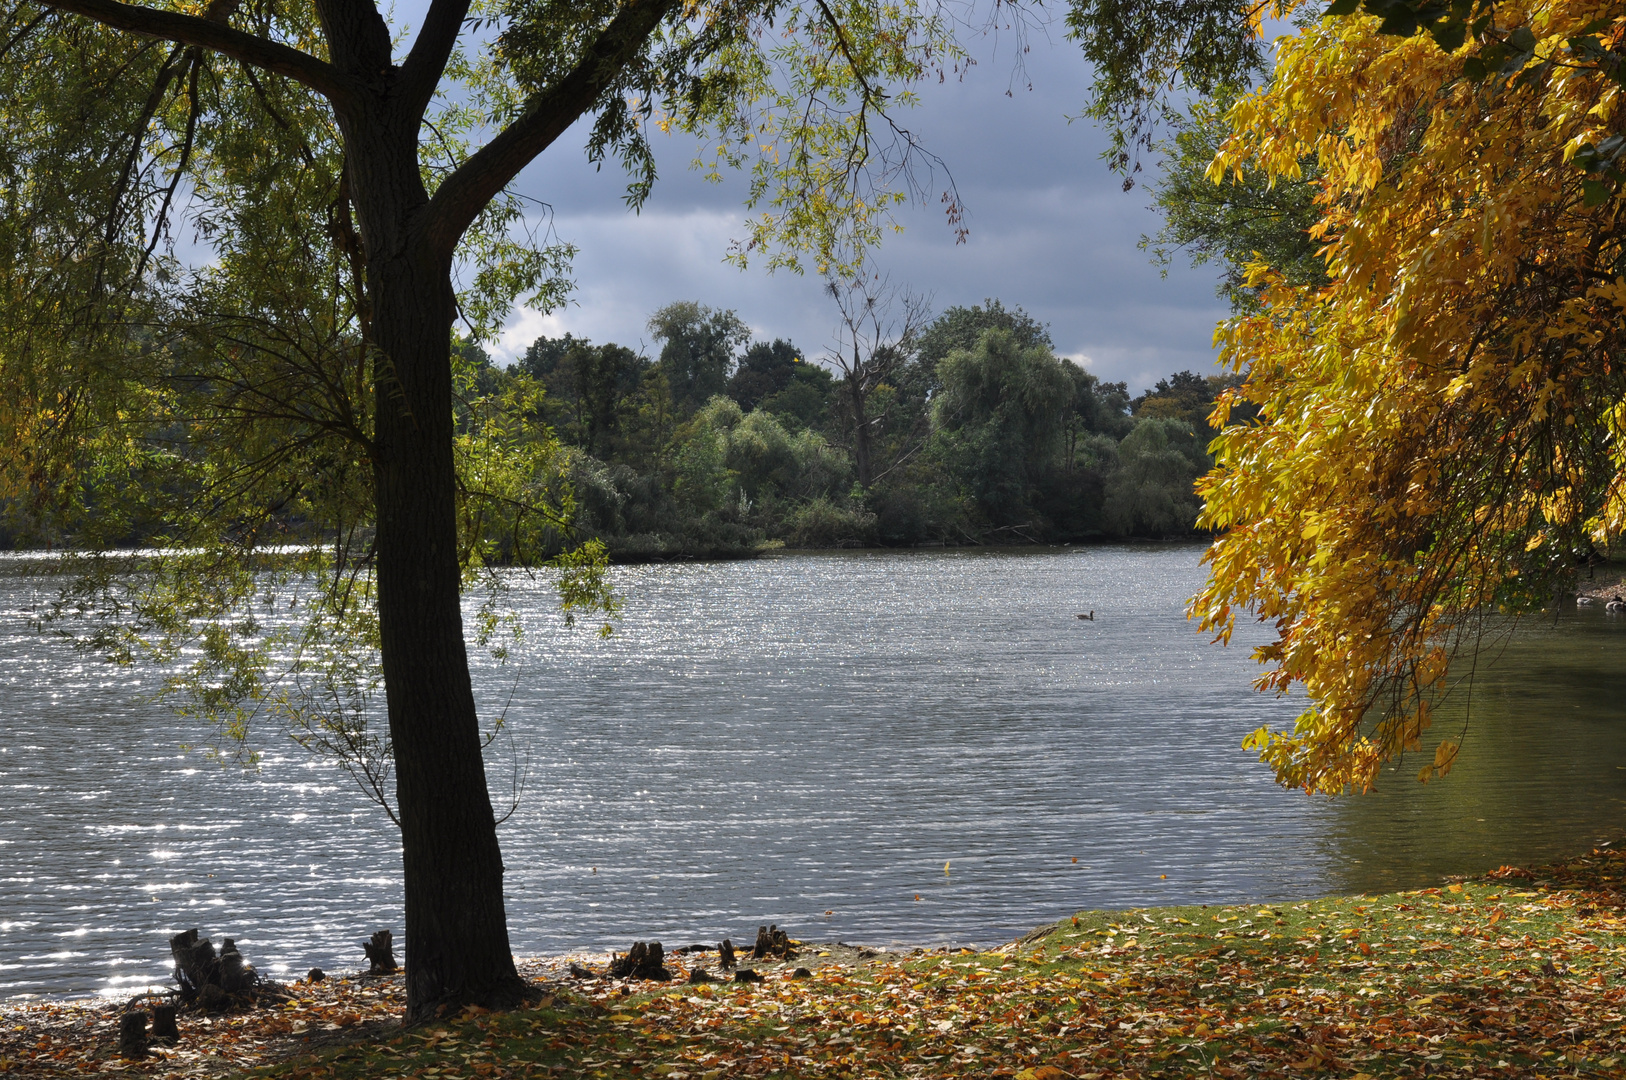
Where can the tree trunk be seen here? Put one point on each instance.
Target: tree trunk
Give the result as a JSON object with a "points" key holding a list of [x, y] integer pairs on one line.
{"points": [[456, 944], [861, 448]]}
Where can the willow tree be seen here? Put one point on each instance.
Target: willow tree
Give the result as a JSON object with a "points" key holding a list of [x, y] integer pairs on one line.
{"points": [[118, 114]]}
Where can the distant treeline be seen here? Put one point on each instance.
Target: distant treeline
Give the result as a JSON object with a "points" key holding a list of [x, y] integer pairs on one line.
{"points": [[966, 429]]}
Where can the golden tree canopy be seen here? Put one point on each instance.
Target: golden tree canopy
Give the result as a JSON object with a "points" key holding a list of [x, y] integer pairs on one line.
{"points": [[1441, 431]]}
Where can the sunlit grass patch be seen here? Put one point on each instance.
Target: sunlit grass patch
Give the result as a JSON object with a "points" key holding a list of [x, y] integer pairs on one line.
{"points": [[1516, 974], [1488, 977]]}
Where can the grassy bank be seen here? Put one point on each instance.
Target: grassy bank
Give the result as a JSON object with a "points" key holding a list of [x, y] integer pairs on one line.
{"points": [[1517, 973]]}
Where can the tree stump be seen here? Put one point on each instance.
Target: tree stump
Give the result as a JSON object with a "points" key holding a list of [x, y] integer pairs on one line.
{"points": [[773, 943], [235, 973], [133, 1034], [641, 962], [196, 964], [725, 953], [214, 982], [380, 953], [163, 1023]]}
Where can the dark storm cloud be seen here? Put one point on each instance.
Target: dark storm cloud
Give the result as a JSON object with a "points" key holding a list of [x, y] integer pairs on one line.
{"points": [[1051, 231]]}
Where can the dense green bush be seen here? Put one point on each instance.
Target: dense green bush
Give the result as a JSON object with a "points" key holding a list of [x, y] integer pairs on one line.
{"points": [[982, 435], [1150, 493]]}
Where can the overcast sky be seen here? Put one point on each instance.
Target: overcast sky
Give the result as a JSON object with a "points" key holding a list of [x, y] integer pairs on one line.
{"points": [[1051, 231]]}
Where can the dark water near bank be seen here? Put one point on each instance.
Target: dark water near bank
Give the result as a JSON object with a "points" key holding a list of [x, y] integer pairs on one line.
{"points": [[768, 741]]}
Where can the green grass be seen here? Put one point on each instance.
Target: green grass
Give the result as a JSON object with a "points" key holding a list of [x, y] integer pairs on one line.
{"points": [[1509, 975]]}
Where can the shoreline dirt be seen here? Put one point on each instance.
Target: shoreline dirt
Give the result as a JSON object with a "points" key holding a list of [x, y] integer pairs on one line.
{"points": [[1600, 589], [78, 1036], [1516, 973]]}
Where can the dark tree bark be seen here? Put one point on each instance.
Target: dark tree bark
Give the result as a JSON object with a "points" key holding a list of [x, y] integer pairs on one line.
{"points": [[645, 960], [857, 405], [214, 981], [456, 940], [163, 1023], [773, 944]]}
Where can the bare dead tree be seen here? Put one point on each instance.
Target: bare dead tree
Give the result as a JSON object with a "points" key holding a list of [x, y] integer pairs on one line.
{"points": [[879, 325]]}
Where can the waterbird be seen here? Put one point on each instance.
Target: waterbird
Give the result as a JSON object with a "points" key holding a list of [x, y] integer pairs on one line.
{"points": [[1090, 616]]}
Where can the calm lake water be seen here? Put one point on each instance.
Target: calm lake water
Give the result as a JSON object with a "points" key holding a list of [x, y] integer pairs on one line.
{"points": [[768, 741]]}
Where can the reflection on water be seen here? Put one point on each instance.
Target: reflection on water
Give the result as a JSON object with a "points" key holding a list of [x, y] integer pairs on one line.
{"points": [[1542, 771], [768, 741]]}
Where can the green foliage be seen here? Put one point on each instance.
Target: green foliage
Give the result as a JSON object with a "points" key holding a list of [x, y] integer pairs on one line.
{"points": [[1246, 219], [703, 479], [1097, 407], [998, 418], [962, 328], [698, 355], [1152, 492], [1190, 398], [591, 390], [1143, 51], [764, 370], [1001, 441], [805, 399], [829, 523]]}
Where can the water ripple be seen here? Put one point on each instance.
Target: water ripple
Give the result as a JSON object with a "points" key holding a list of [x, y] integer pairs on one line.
{"points": [[765, 742]]}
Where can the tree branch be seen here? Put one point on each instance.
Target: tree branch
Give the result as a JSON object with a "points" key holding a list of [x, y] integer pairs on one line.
{"points": [[208, 34], [421, 71], [464, 194]]}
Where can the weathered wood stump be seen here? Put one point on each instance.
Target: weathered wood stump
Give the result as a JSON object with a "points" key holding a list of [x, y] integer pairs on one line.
{"points": [[235, 973], [163, 1023], [642, 961], [773, 943], [133, 1034], [701, 975], [725, 953], [215, 982], [196, 964], [380, 953]]}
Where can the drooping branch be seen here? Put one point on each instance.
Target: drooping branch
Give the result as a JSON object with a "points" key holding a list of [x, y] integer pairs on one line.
{"points": [[464, 194], [210, 34], [155, 99]]}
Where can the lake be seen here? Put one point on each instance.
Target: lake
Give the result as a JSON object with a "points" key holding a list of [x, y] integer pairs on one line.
{"points": [[876, 747]]}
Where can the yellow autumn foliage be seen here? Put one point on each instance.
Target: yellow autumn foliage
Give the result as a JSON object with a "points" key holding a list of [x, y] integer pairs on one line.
{"points": [[1441, 431]]}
